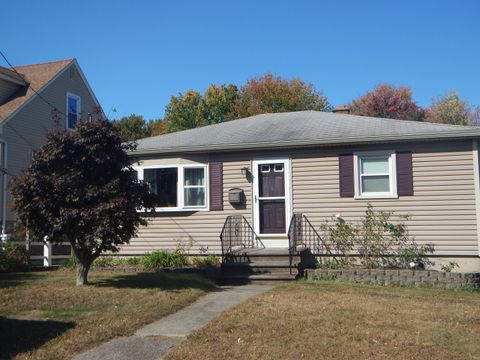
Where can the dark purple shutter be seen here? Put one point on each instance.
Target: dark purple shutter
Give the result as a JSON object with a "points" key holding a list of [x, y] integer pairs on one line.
{"points": [[404, 173], [345, 165], [216, 186]]}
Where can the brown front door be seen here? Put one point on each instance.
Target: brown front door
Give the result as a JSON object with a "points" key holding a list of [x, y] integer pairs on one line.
{"points": [[271, 198]]}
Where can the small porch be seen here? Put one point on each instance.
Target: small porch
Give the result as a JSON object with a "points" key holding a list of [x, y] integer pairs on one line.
{"points": [[245, 257]]}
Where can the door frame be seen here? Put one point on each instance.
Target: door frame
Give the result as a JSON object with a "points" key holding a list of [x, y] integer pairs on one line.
{"points": [[288, 200]]}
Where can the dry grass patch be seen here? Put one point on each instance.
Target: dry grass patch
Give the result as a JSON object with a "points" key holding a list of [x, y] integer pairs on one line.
{"points": [[343, 321], [43, 315]]}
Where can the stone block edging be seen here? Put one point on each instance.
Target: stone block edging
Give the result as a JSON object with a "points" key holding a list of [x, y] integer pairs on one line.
{"points": [[414, 278]]}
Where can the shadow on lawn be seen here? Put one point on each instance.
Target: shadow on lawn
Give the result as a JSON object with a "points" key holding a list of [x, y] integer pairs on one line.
{"points": [[157, 280], [18, 336], [14, 279]]}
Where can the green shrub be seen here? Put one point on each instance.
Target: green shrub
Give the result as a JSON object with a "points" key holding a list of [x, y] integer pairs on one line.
{"points": [[70, 263], [378, 241], [133, 261], [206, 262], [13, 257], [450, 266], [164, 258], [340, 238], [106, 261]]}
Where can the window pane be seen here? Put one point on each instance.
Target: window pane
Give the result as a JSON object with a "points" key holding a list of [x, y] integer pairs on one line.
{"points": [[194, 197], [72, 105], [372, 184], [375, 165], [194, 176], [163, 184], [72, 120]]}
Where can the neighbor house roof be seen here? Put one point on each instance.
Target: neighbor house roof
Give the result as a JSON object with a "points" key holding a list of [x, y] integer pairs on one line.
{"points": [[302, 128], [37, 76]]}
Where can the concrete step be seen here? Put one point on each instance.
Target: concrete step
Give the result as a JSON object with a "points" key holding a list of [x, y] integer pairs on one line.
{"points": [[259, 267], [260, 258], [255, 278]]}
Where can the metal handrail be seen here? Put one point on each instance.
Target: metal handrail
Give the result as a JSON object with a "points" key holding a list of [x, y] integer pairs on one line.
{"points": [[302, 234], [237, 233]]}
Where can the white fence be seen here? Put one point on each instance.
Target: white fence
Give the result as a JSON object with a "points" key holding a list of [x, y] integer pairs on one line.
{"points": [[48, 253]]}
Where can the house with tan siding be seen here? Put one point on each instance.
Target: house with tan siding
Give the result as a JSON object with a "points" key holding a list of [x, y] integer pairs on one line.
{"points": [[261, 172], [34, 100]]}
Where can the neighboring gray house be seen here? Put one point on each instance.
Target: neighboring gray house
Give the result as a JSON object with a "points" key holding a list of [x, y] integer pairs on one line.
{"points": [[268, 167], [44, 97]]}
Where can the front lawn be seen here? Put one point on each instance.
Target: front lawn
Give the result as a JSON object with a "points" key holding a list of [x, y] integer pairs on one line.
{"points": [[331, 320], [43, 315]]}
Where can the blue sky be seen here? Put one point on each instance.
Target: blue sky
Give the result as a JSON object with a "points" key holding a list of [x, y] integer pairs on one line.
{"points": [[136, 54]]}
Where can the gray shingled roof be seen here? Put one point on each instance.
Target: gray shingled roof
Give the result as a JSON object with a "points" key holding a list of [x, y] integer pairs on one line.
{"points": [[302, 128]]}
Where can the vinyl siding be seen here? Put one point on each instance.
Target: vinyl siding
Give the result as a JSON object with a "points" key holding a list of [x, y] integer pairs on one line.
{"points": [[198, 231], [442, 209], [27, 129]]}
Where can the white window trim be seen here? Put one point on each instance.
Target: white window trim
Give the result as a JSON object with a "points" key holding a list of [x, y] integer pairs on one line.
{"points": [[180, 187], [392, 166], [79, 108], [204, 186]]}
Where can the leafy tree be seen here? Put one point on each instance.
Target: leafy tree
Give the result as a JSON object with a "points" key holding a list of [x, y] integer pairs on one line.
{"points": [[185, 111], [272, 94], [219, 102], [266, 94], [132, 127], [450, 109], [81, 188], [157, 127], [387, 101]]}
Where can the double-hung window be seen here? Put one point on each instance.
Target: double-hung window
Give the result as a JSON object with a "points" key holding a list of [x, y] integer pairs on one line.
{"points": [[176, 187], [375, 175], [73, 110], [194, 186]]}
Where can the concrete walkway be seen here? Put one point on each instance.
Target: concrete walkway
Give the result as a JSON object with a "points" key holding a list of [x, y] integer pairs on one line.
{"points": [[154, 340]]}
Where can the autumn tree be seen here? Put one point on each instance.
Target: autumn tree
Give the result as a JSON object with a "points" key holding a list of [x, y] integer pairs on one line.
{"points": [[387, 101], [267, 94], [185, 111], [157, 127], [219, 103], [273, 94], [81, 188], [450, 109], [132, 127]]}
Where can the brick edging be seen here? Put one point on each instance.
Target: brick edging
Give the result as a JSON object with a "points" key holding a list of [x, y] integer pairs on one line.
{"points": [[427, 278]]}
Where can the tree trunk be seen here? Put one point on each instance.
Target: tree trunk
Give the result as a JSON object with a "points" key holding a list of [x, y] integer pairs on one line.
{"points": [[82, 272]]}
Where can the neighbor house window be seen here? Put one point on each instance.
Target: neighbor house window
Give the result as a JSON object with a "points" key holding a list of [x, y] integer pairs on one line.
{"points": [[73, 110], [176, 187], [375, 175]]}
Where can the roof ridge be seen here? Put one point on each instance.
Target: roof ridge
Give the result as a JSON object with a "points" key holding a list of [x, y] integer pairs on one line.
{"points": [[45, 63], [405, 120]]}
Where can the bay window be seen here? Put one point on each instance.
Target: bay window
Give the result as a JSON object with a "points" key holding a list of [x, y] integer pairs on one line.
{"points": [[194, 186], [176, 187]]}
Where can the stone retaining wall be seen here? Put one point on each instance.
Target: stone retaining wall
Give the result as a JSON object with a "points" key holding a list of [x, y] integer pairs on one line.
{"points": [[427, 278]]}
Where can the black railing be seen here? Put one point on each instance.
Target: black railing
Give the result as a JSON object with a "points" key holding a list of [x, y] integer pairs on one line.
{"points": [[238, 234], [302, 236]]}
